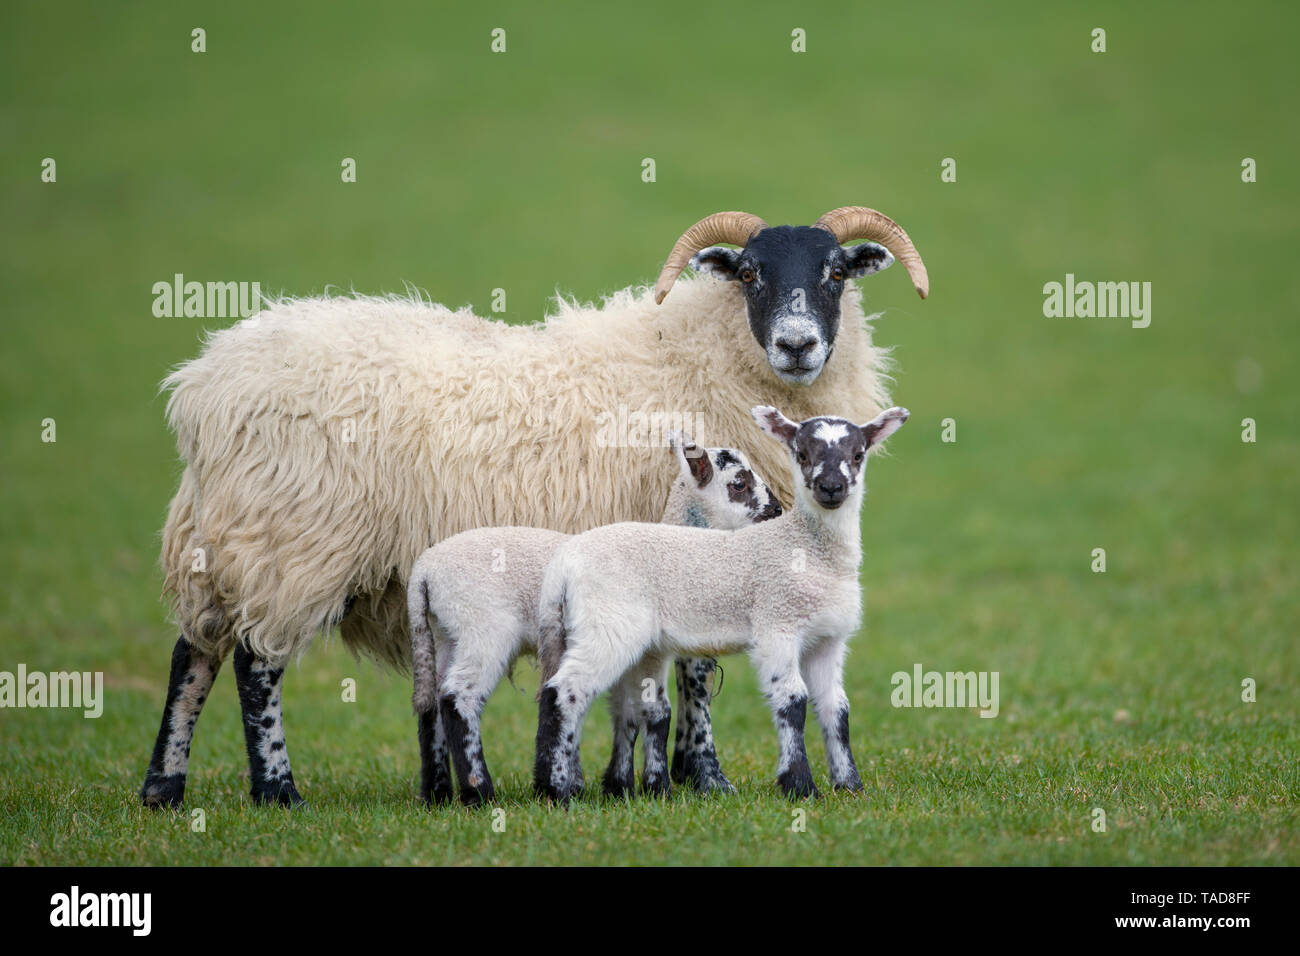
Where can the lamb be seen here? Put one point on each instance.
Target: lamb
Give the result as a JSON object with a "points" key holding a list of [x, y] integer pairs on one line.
{"points": [[311, 431], [786, 591], [481, 588]]}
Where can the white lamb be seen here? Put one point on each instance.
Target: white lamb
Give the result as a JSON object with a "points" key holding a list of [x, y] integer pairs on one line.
{"points": [[785, 591], [481, 590]]}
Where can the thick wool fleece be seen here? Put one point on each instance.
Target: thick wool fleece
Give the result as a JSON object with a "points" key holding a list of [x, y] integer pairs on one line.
{"points": [[328, 442]]}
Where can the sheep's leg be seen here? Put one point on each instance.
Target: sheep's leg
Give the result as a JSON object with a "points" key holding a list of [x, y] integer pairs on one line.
{"points": [[188, 685], [655, 714], [258, 682], [776, 658], [435, 767], [564, 702], [695, 758], [460, 716], [824, 670], [620, 775], [475, 663]]}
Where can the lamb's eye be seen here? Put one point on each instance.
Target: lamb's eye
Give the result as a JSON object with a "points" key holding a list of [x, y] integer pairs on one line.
{"points": [[857, 459], [737, 485], [746, 275], [837, 274], [803, 458]]}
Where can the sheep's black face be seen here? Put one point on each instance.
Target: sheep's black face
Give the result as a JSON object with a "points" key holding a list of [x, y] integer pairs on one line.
{"points": [[829, 454], [792, 278]]}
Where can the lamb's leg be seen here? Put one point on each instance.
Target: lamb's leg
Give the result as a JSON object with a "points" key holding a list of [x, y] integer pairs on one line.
{"points": [[776, 658], [258, 682], [695, 758], [460, 716], [824, 670], [564, 703], [190, 681], [435, 767], [679, 735], [655, 715], [620, 775]]}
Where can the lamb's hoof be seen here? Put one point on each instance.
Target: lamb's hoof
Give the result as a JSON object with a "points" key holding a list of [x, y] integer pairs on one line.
{"points": [[657, 785], [477, 796], [617, 785], [557, 795], [797, 783], [163, 793], [437, 796], [282, 794], [850, 786], [712, 782]]}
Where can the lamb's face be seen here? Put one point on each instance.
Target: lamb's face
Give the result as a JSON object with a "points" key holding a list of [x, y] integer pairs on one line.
{"points": [[793, 278], [829, 454], [738, 496], [727, 493]]}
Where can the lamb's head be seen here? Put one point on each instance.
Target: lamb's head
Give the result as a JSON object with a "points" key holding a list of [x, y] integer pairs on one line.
{"points": [[793, 277], [828, 455], [721, 488]]}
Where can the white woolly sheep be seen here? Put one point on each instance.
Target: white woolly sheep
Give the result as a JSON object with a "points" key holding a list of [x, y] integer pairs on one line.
{"points": [[328, 442], [481, 589], [785, 591]]}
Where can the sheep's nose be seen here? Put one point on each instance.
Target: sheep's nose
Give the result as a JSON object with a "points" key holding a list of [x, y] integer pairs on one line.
{"points": [[830, 488], [796, 345]]}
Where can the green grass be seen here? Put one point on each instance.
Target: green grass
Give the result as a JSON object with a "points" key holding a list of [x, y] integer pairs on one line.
{"points": [[1118, 690]]}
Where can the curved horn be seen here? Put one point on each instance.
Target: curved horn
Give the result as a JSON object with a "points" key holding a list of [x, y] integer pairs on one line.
{"points": [[859, 222], [733, 228]]}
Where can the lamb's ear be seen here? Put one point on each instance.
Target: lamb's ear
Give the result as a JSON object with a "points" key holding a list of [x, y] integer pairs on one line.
{"points": [[722, 262], [885, 424], [774, 423], [691, 458], [866, 258]]}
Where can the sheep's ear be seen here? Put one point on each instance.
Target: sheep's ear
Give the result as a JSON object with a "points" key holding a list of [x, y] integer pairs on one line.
{"points": [[774, 423], [722, 262], [866, 258], [884, 425], [691, 458]]}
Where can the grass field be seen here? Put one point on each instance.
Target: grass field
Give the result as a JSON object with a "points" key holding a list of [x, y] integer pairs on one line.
{"points": [[1119, 690]]}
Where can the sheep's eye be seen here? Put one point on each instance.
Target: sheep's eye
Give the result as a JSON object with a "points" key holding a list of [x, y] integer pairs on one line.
{"points": [[837, 274], [746, 275], [857, 459], [803, 458], [737, 485]]}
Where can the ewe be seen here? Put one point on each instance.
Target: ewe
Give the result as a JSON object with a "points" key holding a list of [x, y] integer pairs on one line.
{"points": [[785, 591], [328, 442], [481, 588]]}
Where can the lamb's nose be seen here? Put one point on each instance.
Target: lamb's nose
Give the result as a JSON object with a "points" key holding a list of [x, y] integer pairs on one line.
{"points": [[830, 488], [796, 345]]}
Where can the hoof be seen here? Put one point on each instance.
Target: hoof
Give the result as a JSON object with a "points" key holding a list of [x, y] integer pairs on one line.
{"points": [[436, 796], [278, 794], [711, 783], [477, 796], [850, 786], [657, 785], [617, 785], [797, 783], [553, 794], [163, 793]]}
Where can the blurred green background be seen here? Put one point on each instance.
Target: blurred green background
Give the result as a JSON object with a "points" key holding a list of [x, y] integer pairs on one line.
{"points": [[522, 170]]}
